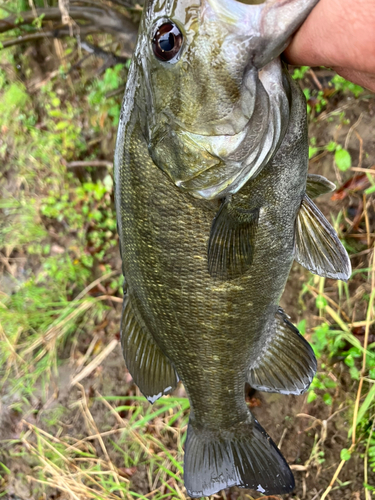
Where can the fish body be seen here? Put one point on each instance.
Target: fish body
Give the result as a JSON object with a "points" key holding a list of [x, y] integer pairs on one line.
{"points": [[208, 235]]}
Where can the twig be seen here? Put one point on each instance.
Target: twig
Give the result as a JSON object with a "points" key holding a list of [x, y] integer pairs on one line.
{"points": [[366, 220], [335, 476], [360, 140], [103, 54], [45, 34], [88, 163], [94, 283], [356, 407], [337, 111], [115, 92], [94, 363], [317, 494], [102, 445], [370, 170], [123, 423], [105, 19], [365, 472], [348, 135], [315, 79], [331, 301], [318, 157], [282, 437], [365, 344]]}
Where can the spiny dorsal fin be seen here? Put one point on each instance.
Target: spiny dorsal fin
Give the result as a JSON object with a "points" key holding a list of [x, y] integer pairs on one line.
{"points": [[317, 246], [150, 368], [287, 363], [317, 185], [231, 244]]}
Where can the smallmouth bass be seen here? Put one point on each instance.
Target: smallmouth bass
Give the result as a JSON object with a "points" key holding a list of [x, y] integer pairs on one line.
{"points": [[213, 204]]}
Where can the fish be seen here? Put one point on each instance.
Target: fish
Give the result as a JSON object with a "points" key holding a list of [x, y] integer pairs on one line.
{"points": [[214, 203]]}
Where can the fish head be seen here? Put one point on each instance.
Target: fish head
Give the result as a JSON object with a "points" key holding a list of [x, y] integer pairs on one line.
{"points": [[214, 96]]}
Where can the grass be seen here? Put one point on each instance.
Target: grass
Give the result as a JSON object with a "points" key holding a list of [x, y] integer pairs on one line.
{"points": [[72, 465], [92, 435]]}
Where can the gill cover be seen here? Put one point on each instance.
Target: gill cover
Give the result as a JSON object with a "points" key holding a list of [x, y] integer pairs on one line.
{"points": [[216, 107]]}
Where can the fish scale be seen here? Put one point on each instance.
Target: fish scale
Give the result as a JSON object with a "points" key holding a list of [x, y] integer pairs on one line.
{"points": [[205, 269]]}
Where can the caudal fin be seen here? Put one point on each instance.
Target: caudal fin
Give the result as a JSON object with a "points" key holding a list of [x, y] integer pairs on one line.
{"points": [[245, 456]]}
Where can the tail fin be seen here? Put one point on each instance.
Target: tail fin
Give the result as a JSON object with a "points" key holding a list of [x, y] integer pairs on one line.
{"points": [[245, 456]]}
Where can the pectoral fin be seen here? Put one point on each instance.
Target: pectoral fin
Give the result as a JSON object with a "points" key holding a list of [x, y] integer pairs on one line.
{"points": [[231, 243], [150, 368], [287, 363], [317, 246], [317, 185]]}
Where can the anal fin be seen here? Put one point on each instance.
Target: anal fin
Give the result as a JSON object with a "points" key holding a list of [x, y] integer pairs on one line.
{"points": [[231, 243], [317, 246], [150, 368], [287, 363]]}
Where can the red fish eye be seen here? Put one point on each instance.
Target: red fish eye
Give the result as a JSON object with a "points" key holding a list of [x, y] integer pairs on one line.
{"points": [[167, 41]]}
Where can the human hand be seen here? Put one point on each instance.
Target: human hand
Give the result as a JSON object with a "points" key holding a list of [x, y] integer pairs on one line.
{"points": [[339, 34]]}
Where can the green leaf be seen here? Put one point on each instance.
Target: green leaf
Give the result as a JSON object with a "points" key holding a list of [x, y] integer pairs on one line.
{"points": [[302, 327], [349, 360], [327, 399], [343, 159], [369, 400], [354, 373], [62, 125], [312, 151], [311, 396], [321, 302], [345, 454], [331, 146], [55, 102]]}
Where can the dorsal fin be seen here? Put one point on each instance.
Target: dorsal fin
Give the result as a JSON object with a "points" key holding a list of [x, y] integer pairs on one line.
{"points": [[317, 246], [317, 185], [150, 368], [287, 362], [231, 243]]}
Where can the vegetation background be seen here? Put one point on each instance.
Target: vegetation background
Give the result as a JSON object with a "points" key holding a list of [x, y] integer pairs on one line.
{"points": [[72, 423]]}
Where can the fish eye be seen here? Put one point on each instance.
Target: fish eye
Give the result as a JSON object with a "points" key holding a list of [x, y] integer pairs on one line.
{"points": [[167, 41]]}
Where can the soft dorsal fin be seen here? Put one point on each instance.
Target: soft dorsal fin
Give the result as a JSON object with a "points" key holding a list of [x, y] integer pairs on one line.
{"points": [[317, 185], [150, 368], [287, 363], [317, 246], [231, 243]]}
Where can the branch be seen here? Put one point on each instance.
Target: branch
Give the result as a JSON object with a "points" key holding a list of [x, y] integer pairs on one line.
{"points": [[90, 163], [104, 19], [58, 33], [111, 58]]}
